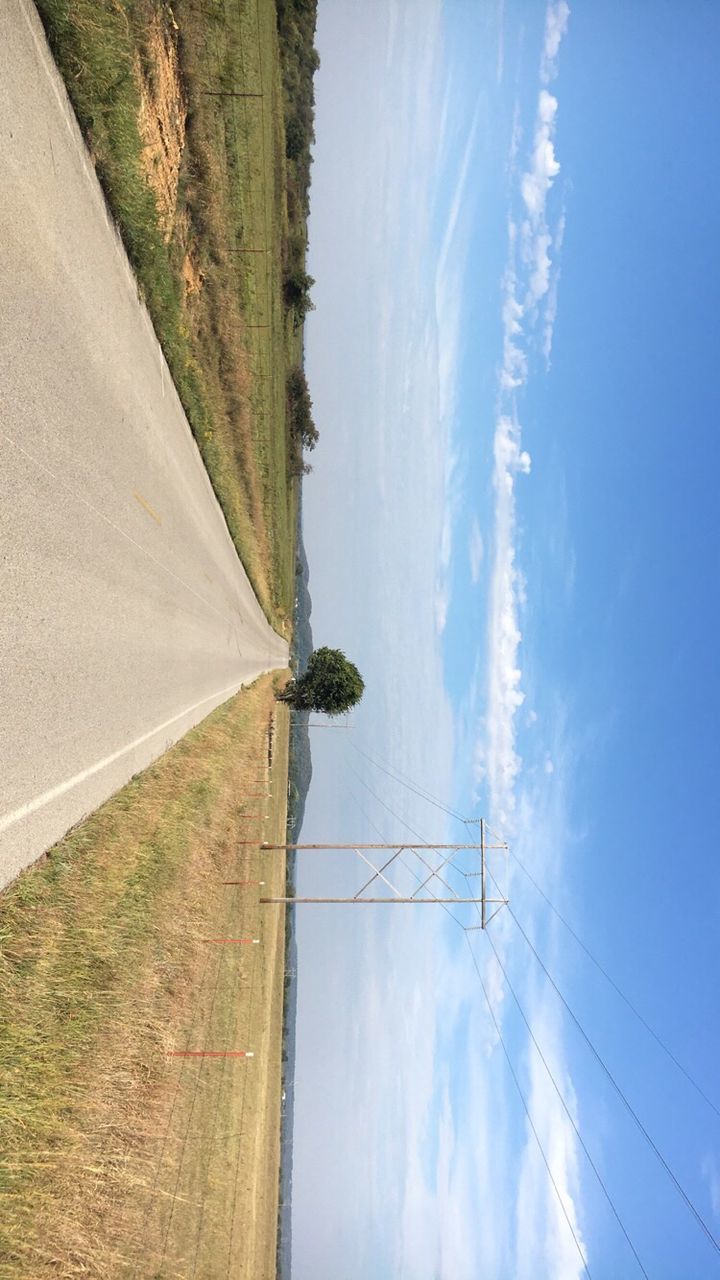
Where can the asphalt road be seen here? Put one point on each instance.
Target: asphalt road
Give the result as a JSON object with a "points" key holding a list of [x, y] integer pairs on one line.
{"points": [[125, 613]]}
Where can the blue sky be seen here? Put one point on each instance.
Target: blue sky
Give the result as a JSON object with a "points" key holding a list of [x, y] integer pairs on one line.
{"points": [[512, 528]]}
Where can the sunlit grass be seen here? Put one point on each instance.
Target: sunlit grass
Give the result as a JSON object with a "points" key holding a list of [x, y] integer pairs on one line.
{"points": [[101, 957], [230, 375]]}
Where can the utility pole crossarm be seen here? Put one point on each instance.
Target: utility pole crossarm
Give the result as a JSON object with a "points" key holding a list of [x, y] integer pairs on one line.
{"points": [[446, 853], [390, 902], [399, 847]]}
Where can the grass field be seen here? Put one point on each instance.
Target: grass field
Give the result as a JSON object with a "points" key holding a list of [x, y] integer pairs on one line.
{"points": [[120, 1160], [196, 179]]}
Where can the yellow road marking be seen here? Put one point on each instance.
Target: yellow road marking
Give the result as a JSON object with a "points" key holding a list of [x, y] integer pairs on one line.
{"points": [[139, 498]]}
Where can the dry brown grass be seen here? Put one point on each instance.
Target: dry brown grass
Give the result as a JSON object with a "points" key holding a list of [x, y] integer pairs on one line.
{"points": [[119, 1160], [233, 180], [161, 117], [190, 179]]}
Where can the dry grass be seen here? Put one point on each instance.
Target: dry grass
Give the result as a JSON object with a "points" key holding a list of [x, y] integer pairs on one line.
{"points": [[191, 179], [233, 183], [161, 119], [120, 1160]]}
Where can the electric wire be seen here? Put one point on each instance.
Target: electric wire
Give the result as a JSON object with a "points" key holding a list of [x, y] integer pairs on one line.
{"points": [[565, 1107], [566, 924], [406, 865], [526, 1109], [623, 1097], [676, 1183], [611, 981], [408, 828], [416, 789], [512, 1069]]}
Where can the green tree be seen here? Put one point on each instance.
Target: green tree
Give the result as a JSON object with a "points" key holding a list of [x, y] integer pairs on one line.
{"points": [[299, 408], [296, 290], [331, 683]]}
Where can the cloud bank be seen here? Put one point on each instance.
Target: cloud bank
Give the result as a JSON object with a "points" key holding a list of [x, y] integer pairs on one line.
{"points": [[544, 1240], [531, 275]]}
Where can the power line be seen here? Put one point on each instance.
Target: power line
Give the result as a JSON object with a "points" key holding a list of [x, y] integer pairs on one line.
{"points": [[505, 1050], [408, 828], [565, 1107], [609, 979], [526, 1109], [405, 864], [416, 789], [396, 777], [623, 1097]]}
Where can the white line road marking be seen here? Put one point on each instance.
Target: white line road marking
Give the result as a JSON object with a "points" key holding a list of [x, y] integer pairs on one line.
{"points": [[47, 797]]}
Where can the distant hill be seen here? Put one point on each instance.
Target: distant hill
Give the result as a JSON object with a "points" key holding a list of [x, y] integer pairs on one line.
{"points": [[284, 1245], [302, 641], [300, 770], [299, 776]]}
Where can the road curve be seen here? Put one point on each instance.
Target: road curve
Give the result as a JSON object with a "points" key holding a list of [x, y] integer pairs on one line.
{"points": [[125, 613]]}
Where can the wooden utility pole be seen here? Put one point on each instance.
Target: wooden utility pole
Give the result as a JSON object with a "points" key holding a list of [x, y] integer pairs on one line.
{"points": [[379, 873]]}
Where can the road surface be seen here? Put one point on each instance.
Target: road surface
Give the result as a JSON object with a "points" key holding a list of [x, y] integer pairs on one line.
{"points": [[125, 614]]}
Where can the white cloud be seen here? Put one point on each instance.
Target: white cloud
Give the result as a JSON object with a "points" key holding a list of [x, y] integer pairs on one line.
{"points": [[536, 238], [546, 1213], [549, 319], [512, 312], [550, 312], [515, 140], [544, 1241], [504, 694], [500, 62], [381, 1070], [440, 1160], [547, 107], [513, 372], [441, 606], [711, 1174], [556, 20], [541, 264], [476, 551], [536, 182]]}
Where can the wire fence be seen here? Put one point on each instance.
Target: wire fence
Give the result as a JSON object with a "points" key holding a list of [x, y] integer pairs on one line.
{"points": [[206, 1145]]}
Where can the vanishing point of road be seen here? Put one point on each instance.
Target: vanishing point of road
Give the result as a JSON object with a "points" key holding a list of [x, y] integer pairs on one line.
{"points": [[125, 613]]}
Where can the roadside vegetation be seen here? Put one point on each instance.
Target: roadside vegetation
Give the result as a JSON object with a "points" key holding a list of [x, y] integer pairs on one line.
{"points": [[118, 1159], [303, 432], [198, 117], [330, 683]]}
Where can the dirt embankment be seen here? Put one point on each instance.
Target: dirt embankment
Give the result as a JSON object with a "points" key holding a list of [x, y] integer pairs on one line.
{"points": [[162, 116]]}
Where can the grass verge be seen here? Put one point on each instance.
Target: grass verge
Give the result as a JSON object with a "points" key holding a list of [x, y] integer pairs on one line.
{"points": [[119, 1160], [196, 179]]}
